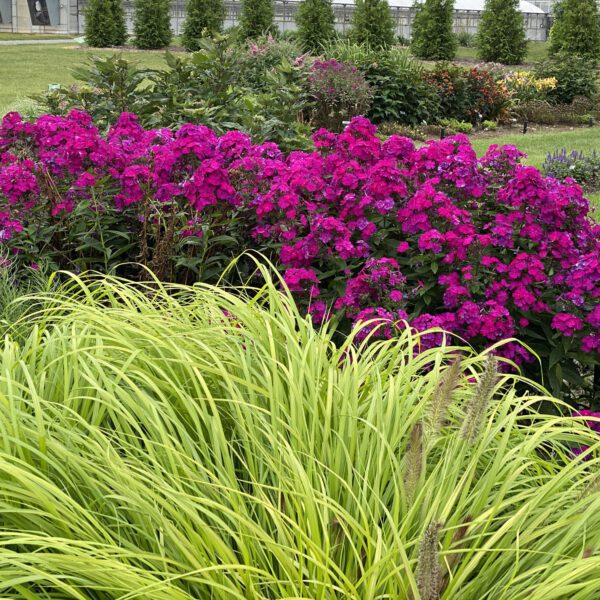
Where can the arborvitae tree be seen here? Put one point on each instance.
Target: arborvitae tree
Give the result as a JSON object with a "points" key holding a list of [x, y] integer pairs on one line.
{"points": [[203, 18], [315, 23], [257, 17], [152, 24], [576, 28], [105, 23], [432, 31], [372, 24], [501, 35]]}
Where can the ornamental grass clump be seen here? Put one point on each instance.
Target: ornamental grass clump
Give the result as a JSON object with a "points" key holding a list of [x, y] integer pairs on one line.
{"points": [[192, 442]]}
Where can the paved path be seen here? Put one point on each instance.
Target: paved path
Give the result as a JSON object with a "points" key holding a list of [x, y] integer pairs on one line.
{"points": [[33, 42]]}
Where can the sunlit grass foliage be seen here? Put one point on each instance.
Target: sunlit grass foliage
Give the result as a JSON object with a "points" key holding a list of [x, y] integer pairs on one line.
{"points": [[188, 443]]}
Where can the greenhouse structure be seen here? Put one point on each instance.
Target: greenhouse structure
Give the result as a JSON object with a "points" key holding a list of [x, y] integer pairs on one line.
{"points": [[67, 16]]}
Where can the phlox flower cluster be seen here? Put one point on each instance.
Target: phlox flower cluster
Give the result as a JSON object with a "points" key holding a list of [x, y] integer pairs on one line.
{"points": [[367, 229]]}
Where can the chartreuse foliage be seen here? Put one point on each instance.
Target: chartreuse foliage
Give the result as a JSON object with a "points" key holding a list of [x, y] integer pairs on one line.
{"points": [[179, 443]]}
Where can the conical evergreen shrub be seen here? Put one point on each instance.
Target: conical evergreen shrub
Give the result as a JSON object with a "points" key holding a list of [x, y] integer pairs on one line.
{"points": [[576, 28], [433, 37], [257, 17], [152, 24], [372, 24], [204, 18], [315, 23], [502, 36], [105, 23]]}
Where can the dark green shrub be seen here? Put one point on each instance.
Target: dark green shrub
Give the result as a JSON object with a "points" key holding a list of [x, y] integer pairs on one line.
{"points": [[315, 22], [205, 88], [257, 18], [576, 28], [501, 36], [105, 23], [400, 95], [575, 76], [372, 24], [204, 18], [432, 35], [152, 24]]}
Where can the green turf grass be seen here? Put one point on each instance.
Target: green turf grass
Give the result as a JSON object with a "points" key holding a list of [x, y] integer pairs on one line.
{"points": [[27, 70], [538, 145], [6, 37], [536, 51]]}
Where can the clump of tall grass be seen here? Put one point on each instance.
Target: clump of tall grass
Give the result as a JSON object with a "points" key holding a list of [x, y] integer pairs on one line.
{"points": [[14, 285], [188, 442]]}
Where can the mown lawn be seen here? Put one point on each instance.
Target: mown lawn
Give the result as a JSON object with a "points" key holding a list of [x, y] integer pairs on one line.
{"points": [[5, 37], [27, 70], [536, 51], [538, 145]]}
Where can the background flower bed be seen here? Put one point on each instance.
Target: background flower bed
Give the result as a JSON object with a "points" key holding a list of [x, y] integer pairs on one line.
{"points": [[273, 91], [487, 249]]}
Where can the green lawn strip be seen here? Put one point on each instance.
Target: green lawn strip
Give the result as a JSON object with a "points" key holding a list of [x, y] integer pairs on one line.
{"points": [[27, 70], [536, 51], [538, 145], [8, 37]]}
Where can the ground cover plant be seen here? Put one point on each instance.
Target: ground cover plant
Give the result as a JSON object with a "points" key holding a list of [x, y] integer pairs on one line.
{"points": [[191, 442], [484, 248]]}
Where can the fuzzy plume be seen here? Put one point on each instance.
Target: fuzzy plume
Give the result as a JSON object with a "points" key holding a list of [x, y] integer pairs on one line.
{"points": [[476, 408], [428, 567], [442, 396], [413, 465]]}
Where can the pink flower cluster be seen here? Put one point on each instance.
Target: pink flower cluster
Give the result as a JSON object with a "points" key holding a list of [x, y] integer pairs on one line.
{"points": [[593, 422], [484, 248]]}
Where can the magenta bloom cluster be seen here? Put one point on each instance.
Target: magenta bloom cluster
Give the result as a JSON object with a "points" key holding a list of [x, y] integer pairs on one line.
{"points": [[430, 237]]}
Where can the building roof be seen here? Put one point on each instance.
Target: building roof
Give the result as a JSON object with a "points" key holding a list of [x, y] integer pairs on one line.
{"points": [[526, 7]]}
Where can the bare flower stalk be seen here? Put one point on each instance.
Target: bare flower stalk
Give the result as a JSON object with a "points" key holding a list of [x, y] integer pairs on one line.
{"points": [[477, 407], [453, 558], [428, 566]]}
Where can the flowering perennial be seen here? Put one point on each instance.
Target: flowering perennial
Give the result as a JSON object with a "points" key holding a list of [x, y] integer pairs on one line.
{"points": [[433, 237]]}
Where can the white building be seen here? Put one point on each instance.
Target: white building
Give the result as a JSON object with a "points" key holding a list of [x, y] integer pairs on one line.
{"points": [[40, 16]]}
